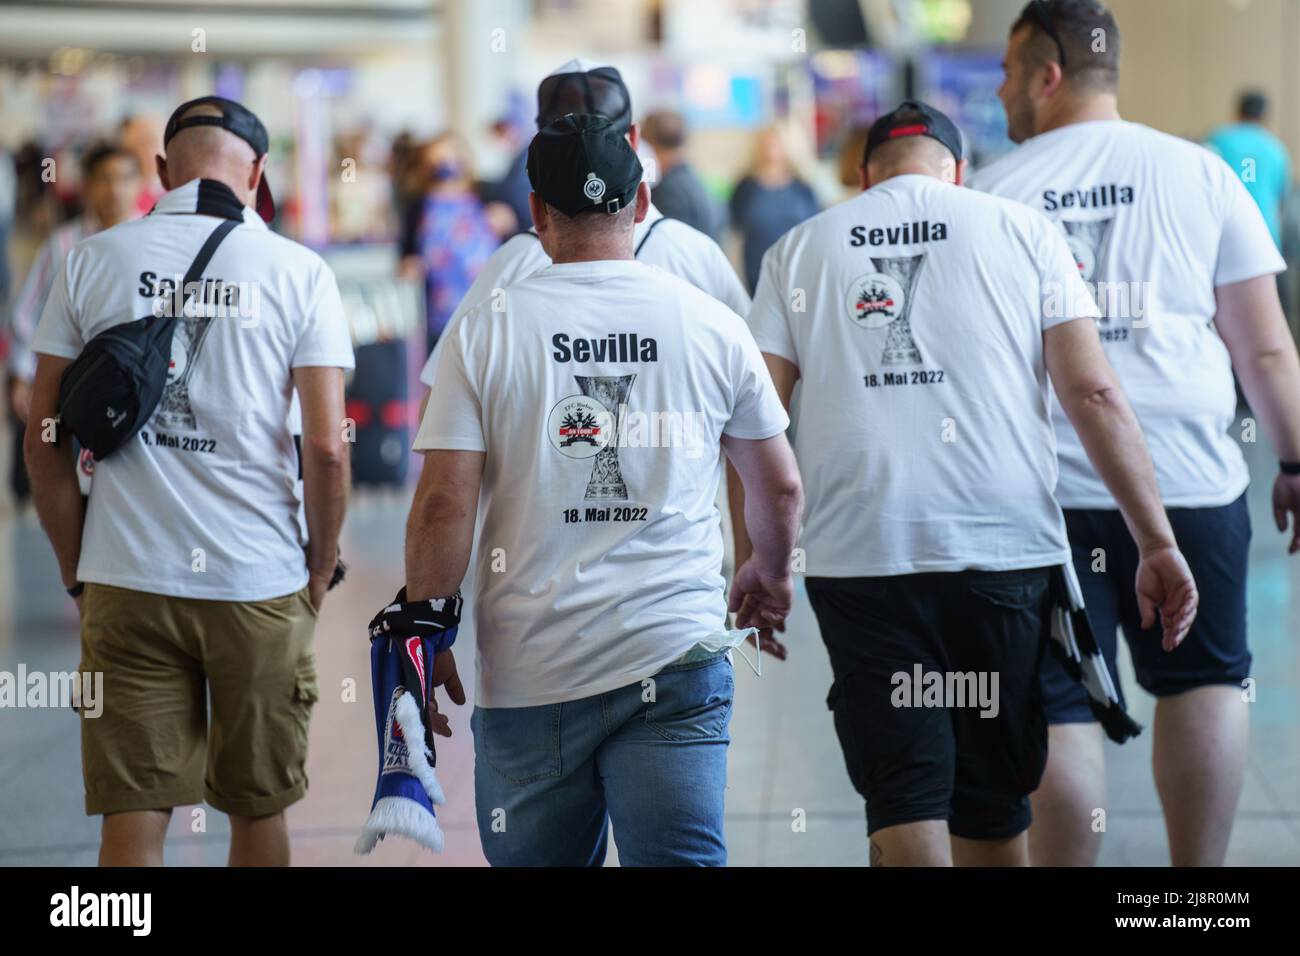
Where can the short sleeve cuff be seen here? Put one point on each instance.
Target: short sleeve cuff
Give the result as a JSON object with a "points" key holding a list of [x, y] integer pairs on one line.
{"points": [[771, 430], [443, 443], [783, 350], [56, 349], [347, 363], [1275, 266]]}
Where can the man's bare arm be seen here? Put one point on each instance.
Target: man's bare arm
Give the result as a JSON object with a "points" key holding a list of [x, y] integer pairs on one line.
{"points": [[1252, 326], [763, 590], [1091, 396], [439, 540], [53, 469], [440, 529], [785, 374], [326, 470]]}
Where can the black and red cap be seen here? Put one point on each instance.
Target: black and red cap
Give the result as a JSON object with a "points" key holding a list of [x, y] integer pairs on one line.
{"points": [[914, 118], [234, 118]]}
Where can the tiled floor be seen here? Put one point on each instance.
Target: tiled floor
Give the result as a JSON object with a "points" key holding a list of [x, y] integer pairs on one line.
{"points": [[785, 764]]}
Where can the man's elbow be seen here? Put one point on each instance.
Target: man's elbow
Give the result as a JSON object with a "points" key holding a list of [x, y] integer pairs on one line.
{"points": [[39, 452], [325, 452], [785, 493], [1101, 398]]}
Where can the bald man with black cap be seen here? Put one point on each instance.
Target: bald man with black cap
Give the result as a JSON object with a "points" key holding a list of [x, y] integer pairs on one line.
{"points": [[924, 319], [586, 411], [198, 594]]}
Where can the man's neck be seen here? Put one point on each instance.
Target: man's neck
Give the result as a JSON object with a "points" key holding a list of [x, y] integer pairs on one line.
{"points": [[1101, 107], [903, 169], [593, 254]]}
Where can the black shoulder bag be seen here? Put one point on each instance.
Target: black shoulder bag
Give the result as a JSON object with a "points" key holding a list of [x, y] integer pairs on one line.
{"points": [[113, 387]]}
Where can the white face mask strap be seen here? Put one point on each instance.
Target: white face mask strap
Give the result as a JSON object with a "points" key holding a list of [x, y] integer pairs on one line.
{"points": [[755, 665]]}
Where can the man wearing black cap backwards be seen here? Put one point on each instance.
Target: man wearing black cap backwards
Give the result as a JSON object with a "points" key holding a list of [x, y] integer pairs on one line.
{"points": [[583, 87], [1183, 265], [188, 565], [935, 550], [590, 410]]}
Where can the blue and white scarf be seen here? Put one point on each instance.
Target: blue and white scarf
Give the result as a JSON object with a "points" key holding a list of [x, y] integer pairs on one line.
{"points": [[404, 637]]}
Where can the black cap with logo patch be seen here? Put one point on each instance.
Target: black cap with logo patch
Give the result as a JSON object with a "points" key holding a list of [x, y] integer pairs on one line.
{"points": [[582, 162], [236, 119], [914, 118]]}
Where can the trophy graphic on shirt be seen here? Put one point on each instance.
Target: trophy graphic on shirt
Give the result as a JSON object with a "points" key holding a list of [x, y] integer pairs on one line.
{"points": [[611, 391], [174, 409], [1090, 243], [883, 300]]}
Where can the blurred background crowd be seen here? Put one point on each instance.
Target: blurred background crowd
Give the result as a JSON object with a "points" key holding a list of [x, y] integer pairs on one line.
{"points": [[399, 128]]}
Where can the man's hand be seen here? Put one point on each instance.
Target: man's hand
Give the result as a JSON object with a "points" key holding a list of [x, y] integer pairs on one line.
{"points": [[317, 585], [761, 598], [444, 675], [1286, 501], [1165, 585]]}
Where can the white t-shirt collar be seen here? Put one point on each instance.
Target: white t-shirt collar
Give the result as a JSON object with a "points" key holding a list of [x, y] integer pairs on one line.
{"points": [[206, 197], [590, 268]]}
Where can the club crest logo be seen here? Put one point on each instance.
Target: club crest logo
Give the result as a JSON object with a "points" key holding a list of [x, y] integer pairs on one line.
{"points": [[875, 300], [397, 754], [587, 425], [174, 408], [1089, 242], [883, 300], [578, 427], [594, 187]]}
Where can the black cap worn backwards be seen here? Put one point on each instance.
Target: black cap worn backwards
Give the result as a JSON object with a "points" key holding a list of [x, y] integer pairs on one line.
{"points": [[914, 118], [579, 87], [235, 119], [581, 162]]}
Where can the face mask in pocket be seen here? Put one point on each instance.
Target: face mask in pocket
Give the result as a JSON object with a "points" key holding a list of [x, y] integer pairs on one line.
{"points": [[725, 641]]}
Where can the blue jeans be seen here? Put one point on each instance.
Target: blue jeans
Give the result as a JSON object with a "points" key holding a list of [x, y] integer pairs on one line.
{"points": [[651, 758]]}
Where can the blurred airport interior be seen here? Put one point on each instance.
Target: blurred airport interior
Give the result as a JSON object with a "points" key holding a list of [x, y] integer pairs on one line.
{"points": [[354, 93], [397, 128]]}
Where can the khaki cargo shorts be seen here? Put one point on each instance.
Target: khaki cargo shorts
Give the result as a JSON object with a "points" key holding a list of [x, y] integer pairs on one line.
{"points": [[202, 700]]}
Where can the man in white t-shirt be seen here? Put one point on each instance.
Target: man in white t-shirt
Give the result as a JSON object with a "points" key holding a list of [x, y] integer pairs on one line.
{"points": [[581, 86], [590, 407], [923, 319], [1183, 265], [198, 585]]}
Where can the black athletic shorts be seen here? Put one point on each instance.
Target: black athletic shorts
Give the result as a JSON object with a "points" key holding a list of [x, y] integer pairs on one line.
{"points": [[928, 754], [1216, 543]]}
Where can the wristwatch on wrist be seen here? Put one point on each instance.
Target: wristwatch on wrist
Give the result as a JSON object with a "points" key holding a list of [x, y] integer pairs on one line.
{"points": [[1290, 467], [76, 589]]}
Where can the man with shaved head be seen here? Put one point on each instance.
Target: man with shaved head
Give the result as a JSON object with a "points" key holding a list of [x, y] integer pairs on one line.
{"points": [[1183, 265], [936, 554], [198, 591]]}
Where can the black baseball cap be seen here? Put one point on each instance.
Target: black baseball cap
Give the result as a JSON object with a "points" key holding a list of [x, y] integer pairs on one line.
{"points": [[581, 162], [236, 119], [914, 118], [583, 87]]}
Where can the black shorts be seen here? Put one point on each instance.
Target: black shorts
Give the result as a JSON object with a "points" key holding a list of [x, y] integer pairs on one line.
{"points": [[1216, 543], [941, 760]]}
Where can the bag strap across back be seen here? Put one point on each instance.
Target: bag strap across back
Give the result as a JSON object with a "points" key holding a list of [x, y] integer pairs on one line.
{"points": [[205, 255]]}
